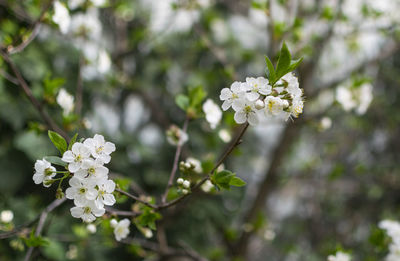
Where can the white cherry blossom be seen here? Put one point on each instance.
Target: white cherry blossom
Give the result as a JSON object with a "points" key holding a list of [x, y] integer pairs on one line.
{"points": [[6, 216], [232, 95], [213, 113], [104, 194], [255, 87], [340, 256], [121, 228], [66, 101], [87, 212], [80, 191], [43, 172], [292, 84], [246, 112], [61, 17], [99, 148], [274, 105], [76, 156], [92, 170]]}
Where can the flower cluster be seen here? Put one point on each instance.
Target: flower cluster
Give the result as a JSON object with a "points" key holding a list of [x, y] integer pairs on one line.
{"points": [[340, 256], [90, 187], [393, 230], [356, 96], [176, 136], [256, 98], [121, 228], [184, 185], [190, 165]]}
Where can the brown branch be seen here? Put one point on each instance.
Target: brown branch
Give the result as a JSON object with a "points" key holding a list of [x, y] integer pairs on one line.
{"points": [[42, 220], [22, 83], [136, 198], [227, 152], [35, 28], [175, 164], [117, 212]]}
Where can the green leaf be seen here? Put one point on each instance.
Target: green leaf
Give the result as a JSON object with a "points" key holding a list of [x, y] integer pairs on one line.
{"points": [[237, 182], [148, 219], [55, 160], [270, 69], [222, 179], [283, 62], [72, 141], [35, 241], [196, 96], [58, 141], [182, 101], [294, 64]]}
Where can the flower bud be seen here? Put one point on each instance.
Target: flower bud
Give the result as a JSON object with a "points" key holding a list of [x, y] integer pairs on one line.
{"points": [[113, 223], [259, 104], [185, 191], [59, 193], [180, 181], [186, 184]]}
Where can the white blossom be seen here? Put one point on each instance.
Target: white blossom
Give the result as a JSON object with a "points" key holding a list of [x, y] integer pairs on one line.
{"points": [[104, 194], [246, 111], [61, 17], [274, 105], [92, 170], [43, 172], [340, 256], [76, 156], [195, 164], [213, 113], [80, 191], [255, 87], [99, 148], [6, 216], [232, 96], [87, 212], [326, 123], [292, 84], [121, 228], [66, 101]]}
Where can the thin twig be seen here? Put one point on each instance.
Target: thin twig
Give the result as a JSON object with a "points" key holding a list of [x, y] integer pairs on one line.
{"points": [[175, 164], [121, 212], [22, 83], [35, 28], [42, 220], [228, 151], [136, 198]]}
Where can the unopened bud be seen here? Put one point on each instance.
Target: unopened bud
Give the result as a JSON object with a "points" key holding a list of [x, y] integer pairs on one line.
{"points": [[186, 184], [259, 104], [59, 193], [180, 181], [185, 191]]}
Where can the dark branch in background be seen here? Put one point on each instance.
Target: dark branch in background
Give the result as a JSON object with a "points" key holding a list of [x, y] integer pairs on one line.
{"points": [[227, 152], [136, 198], [117, 212], [169, 253], [175, 164], [22, 83], [42, 220], [34, 29]]}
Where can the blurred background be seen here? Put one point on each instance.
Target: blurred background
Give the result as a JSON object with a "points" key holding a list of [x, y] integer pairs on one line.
{"points": [[314, 185]]}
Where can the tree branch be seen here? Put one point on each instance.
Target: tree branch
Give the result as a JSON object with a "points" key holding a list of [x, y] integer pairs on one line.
{"points": [[22, 83], [175, 164], [42, 220]]}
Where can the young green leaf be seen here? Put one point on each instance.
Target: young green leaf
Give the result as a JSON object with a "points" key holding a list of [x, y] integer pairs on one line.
{"points": [[270, 70], [182, 101], [237, 182], [196, 96], [148, 218], [294, 64], [222, 179], [283, 62], [72, 141], [58, 141], [55, 160]]}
